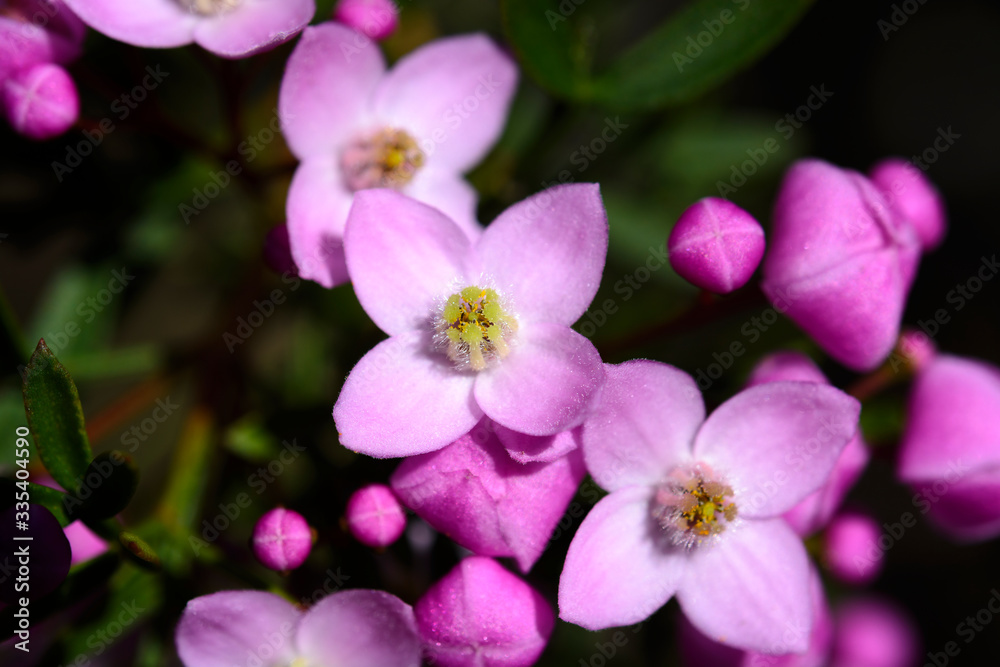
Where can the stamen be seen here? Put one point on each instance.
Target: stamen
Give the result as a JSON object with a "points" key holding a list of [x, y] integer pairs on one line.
{"points": [[693, 504], [474, 328], [208, 7], [388, 158]]}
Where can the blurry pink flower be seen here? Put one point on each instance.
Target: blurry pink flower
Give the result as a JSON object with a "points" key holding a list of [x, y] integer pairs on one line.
{"points": [[716, 245], [695, 505], [377, 19], [840, 262], [950, 447], [374, 515], [354, 126], [814, 511], [227, 28], [37, 96], [476, 494], [357, 628], [282, 539], [913, 197], [475, 328], [870, 632], [848, 543], [481, 615]]}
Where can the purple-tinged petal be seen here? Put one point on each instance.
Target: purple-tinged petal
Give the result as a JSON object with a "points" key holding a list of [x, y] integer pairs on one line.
{"points": [[403, 257], [83, 542], [874, 633], [234, 626], [778, 442], [253, 26], [153, 23], [716, 245], [788, 366], [481, 615], [474, 493], [643, 424], [815, 510], [40, 102], [912, 197], [964, 505], [359, 628], [451, 194], [951, 419], [317, 207], [55, 37], [325, 93], [546, 383], [377, 19], [452, 95], [547, 252], [525, 448], [750, 588], [383, 408], [619, 569], [48, 553]]}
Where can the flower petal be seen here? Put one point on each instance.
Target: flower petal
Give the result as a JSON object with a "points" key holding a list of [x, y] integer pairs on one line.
{"points": [[777, 442], [643, 424], [545, 384], [401, 399], [254, 26], [964, 505], [360, 628], [327, 88], [547, 252], [750, 589], [525, 448], [617, 570], [154, 23], [216, 630], [452, 195], [453, 95], [317, 207], [403, 257]]}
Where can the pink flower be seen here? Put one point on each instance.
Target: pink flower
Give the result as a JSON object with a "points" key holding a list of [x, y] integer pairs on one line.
{"points": [[848, 543], [950, 447], [375, 18], [227, 28], [37, 96], [481, 615], [840, 262], [695, 505], [355, 126], [475, 328], [476, 494], [716, 245], [815, 510], [374, 515], [697, 650], [871, 632], [913, 197], [358, 628]]}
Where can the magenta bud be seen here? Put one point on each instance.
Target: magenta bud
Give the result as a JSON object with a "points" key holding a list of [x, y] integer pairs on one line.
{"points": [[375, 516], [278, 251], [377, 19], [282, 539], [873, 633], [34, 542], [911, 196], [40, 102], [481, 615], [716, 245], [851, 548]]}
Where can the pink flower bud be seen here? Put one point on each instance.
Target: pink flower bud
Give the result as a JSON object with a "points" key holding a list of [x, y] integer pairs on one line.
{"points": [[375, 516], [916, 348], [851, 550], [282, 539], [873, 633], [377, 19], [481, 615], [911, 196], [40, 102], [716, 245]]}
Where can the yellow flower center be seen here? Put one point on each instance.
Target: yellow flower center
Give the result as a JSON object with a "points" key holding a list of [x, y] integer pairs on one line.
{"points": [[474, 328], [389, 158], [209, 7], [693, 504]]}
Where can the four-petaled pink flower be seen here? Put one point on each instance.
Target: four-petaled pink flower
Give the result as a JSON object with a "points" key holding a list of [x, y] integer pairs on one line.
{"points": [[227, 28], [356, 628], [475, 328], [695, 504], [354, 126]]}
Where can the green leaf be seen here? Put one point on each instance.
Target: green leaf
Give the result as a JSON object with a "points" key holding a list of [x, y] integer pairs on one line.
{"points": [[109, 484], [55, 418], [685, 56], [139, 550]]}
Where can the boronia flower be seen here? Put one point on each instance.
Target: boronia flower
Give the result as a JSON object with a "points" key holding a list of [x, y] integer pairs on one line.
{"points": [[227, 28], [415, 129], [695, 505], [475, 328], [840, 262], [357, 628]]}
